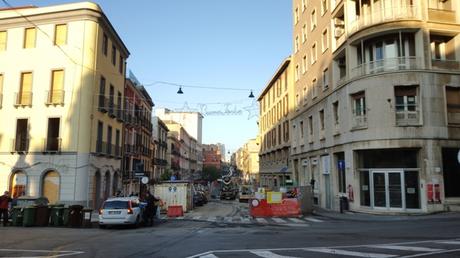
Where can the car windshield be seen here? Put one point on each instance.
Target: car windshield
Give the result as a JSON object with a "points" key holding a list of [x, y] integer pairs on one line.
{"points": [[116, 205]]}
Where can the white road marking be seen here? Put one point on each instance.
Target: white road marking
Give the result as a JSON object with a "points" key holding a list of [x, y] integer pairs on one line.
{"points": [[279, 220], [313, 219], [196, 217], [228, 219], [245, 220], [296, 225], [59, 253], [268, 254], [406, 248], [212, 219], [179, 217], [432, 253], [296, 220], [262, 220], [449, 242], [209, 256], [349, 253]]}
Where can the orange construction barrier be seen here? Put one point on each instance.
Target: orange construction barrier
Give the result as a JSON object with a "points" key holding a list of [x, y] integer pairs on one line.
{"points": [[287, 208], [175, 211]]}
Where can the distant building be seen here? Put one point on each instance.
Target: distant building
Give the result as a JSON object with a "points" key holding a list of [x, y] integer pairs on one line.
{"points": [[63, 103], [160, 136], [212, 156]]}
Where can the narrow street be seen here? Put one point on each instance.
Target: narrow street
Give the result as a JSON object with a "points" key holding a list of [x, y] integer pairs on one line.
{"points": [[216, 230]]}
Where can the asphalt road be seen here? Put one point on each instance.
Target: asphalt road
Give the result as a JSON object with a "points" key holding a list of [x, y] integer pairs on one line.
{"points": [[437, 236]]}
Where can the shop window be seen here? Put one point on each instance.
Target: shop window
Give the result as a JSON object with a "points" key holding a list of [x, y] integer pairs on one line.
{"points": [[50, 186]]}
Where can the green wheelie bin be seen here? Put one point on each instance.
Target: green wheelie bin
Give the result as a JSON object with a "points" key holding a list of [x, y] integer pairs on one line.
{"points": [[17, 216], [57, 216], [29, 216], [65, 216]]}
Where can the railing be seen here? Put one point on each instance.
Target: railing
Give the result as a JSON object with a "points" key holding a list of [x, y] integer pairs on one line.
{"points": [[100, 147], [112, 108], [380, 15], [120, 114], [359, 121], [160, 162], [20, 145], [55, 97], [387, 64], [129, 149], [407, 118], [52, 144], [117, 151], [445, 64], [103, 103], [442, 15], [23, 98]]}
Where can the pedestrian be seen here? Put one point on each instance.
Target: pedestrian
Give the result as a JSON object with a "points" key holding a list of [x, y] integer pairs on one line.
{"points": [[5, 199], [150, 208]]}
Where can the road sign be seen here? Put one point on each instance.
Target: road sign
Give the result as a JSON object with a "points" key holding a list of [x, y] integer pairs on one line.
{"points": [[145, 180]]}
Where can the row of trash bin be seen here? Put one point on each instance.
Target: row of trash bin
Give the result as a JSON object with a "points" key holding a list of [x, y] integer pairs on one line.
{"points": [[52, 215]]}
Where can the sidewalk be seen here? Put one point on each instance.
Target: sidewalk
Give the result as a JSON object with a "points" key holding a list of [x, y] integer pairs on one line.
{"points": [[359, 216]]}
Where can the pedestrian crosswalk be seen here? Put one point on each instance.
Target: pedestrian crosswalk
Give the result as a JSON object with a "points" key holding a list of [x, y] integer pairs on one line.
{"points": [[250, 220], [432, 248]]}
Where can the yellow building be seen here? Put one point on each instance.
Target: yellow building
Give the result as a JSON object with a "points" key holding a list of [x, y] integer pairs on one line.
{"points": [[276, 103], [62, 72], [377, 115]]}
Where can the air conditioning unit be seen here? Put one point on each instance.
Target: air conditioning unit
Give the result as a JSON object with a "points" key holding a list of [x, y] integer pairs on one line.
{"points": [[339, 22], [339, 32]]}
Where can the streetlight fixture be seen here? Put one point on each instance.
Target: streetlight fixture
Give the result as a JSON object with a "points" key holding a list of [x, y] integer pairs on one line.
{"points": [[180, 90], [251, 95]]}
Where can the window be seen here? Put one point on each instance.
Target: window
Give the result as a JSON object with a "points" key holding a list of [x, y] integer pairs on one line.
{"points": [[120, 106], [56, 93], [314, 86], [114, 54], [21, 142], [359, 109], [24, 98], [100, 128], [117, 143], [29, 37], [2, 40], [313, 19], [297, 72], [438, 49], [109, 140], [310, 125], [304, 33], [321, 119], [301, 129], [323, 7], [406, 105], [120, 65], [285, 81], [296, 15], [1, 90], [325, 79], [305, 95], [51, 186], [18, 184], [111, 100], [453, 101], [52, 139], [297, 101], [313, 53], [335, 110], [60, 36], [296, 46], [105, 44], [102, 104], [325, 40], [304, 64], [304, 5]]}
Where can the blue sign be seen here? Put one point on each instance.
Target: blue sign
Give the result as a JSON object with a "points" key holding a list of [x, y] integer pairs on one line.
{"points": [[341, 164], [173, 178]]}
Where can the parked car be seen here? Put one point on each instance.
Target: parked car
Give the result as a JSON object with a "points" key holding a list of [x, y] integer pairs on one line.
{"points": [[197, 199], [121, 211]]}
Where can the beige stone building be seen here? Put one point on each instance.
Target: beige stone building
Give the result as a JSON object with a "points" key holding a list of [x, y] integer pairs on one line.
{"points": [[276, 104], [377, 113], [62, 72]]}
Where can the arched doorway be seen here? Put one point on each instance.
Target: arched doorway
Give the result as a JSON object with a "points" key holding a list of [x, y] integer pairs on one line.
{"points": [[97, 190], [107, 185], [51, 186], [115, 183], [18, 185]]}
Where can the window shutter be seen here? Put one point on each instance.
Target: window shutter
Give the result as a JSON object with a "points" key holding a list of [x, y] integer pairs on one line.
{"points": [[29, 41], [61, 34]]}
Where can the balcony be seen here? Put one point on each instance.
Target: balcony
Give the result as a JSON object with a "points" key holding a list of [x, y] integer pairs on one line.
{"points": [[23, 99], [118, 152], [103, 104], [386, 65], [359, 122], [119, 112], [112, 109], [55, 97], [442, 15], [445, 64], [407, 118], [20, 145], [159, 162], [51, 145], [382, 15]]}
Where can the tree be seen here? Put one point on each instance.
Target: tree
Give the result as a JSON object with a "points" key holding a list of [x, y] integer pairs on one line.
{"points": [[166, 175], [210, 173]]}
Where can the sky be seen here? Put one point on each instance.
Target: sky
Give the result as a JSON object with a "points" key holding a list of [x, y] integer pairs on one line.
{"points": [[208, 44]]}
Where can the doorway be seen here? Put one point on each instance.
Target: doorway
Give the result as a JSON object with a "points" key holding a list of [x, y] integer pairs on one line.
{"points": [[387, 189]]}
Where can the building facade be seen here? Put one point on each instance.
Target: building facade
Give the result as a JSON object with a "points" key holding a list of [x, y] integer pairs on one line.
{"points": [[276, 104], [60, 96], [377, 118], [137, 136], [160, 136], [212, 156]]}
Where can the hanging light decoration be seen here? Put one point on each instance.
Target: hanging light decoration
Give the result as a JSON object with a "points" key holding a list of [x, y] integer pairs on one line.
{"points": [[180, 90], [251, 95]]}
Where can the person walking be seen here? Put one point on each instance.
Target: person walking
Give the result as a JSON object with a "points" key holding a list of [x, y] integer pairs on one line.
{"points": [[5, 199], [150, 208]]}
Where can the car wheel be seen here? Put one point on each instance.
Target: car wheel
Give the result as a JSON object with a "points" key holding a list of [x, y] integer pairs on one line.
{"points": [[102, 226]]}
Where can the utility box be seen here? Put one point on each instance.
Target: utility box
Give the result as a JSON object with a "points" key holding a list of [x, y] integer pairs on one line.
{"points": [[306, 199], [174, 193]]}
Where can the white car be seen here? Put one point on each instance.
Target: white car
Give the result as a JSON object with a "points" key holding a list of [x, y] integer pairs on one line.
{"points": [[120, 211]]}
